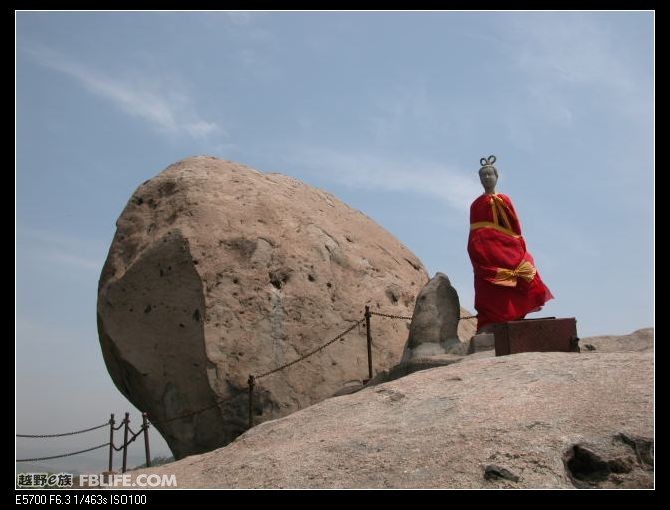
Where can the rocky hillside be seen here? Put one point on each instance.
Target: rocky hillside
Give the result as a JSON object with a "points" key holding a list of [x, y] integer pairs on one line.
{"points": [[531, 420]]}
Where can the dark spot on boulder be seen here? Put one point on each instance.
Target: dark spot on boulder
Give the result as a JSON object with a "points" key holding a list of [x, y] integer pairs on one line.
{"points": [[493, 472], [243, 247], [392, 296], [279, 277]]}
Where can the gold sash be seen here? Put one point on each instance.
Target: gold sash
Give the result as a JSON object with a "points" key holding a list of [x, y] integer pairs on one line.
{"points": [[508, 277], [495, 226], [499, 208]]}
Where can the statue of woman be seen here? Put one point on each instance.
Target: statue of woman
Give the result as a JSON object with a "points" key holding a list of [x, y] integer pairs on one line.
{"points": [[507, 283]]}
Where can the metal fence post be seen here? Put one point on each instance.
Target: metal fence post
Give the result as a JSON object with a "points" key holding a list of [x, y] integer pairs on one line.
{"points": [[145, 426], [367, 327], [126, 422], [111, 442]]}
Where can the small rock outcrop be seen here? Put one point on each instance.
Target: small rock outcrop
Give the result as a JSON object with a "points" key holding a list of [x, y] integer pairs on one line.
{"points": [[637, 341], [435, 327], [218, 271]]}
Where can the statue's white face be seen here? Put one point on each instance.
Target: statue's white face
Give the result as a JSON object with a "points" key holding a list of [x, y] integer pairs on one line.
{"points": [[488, 178]]}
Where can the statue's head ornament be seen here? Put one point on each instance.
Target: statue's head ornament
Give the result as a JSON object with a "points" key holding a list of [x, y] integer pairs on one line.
{"points": [[484, 162]]}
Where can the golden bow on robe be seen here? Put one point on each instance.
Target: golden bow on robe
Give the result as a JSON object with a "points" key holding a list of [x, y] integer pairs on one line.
{"points": [[508, 277]]}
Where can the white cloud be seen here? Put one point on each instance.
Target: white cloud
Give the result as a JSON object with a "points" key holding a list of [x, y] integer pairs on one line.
{"points": [[448, 184], [76, 261], [395, 108], [566, 61], [240, 18], [558, 52], [32, 333], [201, 129], [152, 100], [60, 249], [568, 49]]}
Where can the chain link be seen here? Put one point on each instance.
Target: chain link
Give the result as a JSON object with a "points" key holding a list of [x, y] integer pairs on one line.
{"points": [[64, 455], [203, 409], [391, 316], [135, 434], [353, 326], [410, 318], [193, 413], [64, 434]]}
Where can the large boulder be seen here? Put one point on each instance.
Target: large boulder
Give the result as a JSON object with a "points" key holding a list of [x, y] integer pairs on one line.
{"points": [[218, 271]]}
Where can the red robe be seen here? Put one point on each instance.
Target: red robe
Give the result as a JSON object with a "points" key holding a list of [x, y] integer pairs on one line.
{"points": [[507, 284]]}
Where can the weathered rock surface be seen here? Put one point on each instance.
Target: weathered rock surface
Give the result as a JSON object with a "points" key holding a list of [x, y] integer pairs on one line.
{"points": [[482, 345], [640, 340], [482, 342], [530, 420], [217, 272]]}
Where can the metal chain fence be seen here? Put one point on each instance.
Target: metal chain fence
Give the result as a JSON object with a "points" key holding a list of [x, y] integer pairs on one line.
{"points": [[110, 443], [65, 433], [251, 383], [64, 455], [305, 356]]}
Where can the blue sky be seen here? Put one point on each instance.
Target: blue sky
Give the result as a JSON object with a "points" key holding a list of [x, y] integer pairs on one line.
{"points": [[390, 112]]}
